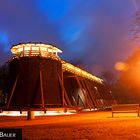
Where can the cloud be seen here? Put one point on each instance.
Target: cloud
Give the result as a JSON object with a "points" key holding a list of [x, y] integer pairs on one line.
{"points": [[53, 9], [93, 31]]}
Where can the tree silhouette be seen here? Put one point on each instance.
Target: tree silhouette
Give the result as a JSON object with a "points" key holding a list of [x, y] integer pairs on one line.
{"points": [[4, 72], [135, 28]]}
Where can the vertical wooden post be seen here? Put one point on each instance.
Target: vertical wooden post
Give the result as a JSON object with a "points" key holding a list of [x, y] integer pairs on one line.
{"points": [[112, 114], [39, 51], [0, 110], [78, 100], [12, 92], [65, 93], [23, 50], [30, 53], [63, 98], [20, 111], [41, 88], [30, 115]]}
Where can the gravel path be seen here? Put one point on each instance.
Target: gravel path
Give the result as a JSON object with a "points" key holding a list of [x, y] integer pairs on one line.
{"points": [[85, 126]]}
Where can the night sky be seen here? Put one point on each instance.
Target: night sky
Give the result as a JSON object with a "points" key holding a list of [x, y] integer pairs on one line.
{"points": [[96, 32]]}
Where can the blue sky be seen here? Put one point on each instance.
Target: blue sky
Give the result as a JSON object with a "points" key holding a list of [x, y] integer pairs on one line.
{"points": [[92, 31]]}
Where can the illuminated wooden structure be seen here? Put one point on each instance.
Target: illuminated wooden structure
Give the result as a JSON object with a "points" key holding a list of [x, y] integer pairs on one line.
{"points": [[40, 80]]}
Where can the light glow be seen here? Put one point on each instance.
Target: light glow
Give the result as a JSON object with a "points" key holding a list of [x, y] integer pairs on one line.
{"points": [[50, 51], [120, 66], [38, 113], [77, 71], [37, 49]]}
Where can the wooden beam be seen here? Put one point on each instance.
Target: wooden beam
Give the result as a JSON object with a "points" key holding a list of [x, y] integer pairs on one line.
{"points": [[41, 89], [30, 53], [74, 101], [0, 110], [39, 51], [65, 103], [13, 89], [82, 90], [95, 93], [101, 98], [79, 98], [20, 111], [23, 50], [65, 93], [88, 94], [63, 90], [73, 91]]}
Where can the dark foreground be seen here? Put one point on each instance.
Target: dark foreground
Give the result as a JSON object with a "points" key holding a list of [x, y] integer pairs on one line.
{"points": [[89, 125]]}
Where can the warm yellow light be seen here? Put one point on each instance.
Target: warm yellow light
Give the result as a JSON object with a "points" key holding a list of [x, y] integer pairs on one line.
{"points": [[139, 62], [37, 49], [120, 66], [45, 50], [37, 113], [77, 71]]}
